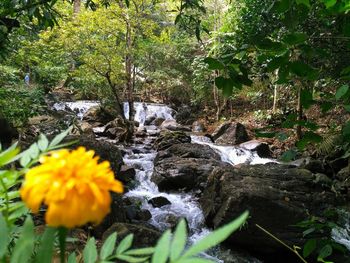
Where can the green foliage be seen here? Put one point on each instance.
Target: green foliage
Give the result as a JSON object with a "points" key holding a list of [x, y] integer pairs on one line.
{"points": [[169, 248], [317, 232], [19, 104]]}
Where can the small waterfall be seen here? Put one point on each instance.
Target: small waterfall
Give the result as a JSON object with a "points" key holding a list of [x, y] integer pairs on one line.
{"points": [[143, 111], [341, 234], [79, 107], [232, 154]]}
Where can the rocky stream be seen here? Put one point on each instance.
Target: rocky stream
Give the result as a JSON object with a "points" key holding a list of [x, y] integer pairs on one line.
{"points": [[174, 171]]}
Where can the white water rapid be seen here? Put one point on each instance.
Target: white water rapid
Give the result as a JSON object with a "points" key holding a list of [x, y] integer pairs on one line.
{"points": [[141, 156]]}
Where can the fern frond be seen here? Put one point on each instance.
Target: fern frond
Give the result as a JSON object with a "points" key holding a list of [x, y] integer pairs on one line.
{"points": [[329, 143]]}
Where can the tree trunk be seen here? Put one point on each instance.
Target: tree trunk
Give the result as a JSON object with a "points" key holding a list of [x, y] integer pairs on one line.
{"points": [[300, 114], [76, 7], [119, 107], [275, 94], [128, 71]]}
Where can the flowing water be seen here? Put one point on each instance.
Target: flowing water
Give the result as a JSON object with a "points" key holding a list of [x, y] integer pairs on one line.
{"points": [[183, 205]]}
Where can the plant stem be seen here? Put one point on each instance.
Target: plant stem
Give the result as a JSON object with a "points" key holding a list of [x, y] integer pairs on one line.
{"points": [[62, 233], [7, 201], [282, 243]]}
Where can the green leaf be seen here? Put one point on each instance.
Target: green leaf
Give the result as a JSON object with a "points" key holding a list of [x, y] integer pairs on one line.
{"points": [[90, 251], [132, 259], [162, 248], [195, 260], [25, 158], [282, 6], [108, 246], [34, 151], [216, 237], [276, 63], [309, 231], [125, 244], [325, 251], [25, 244], [309, 247], [179, 240], [72, 258], [46, 246], [304, 2], [326, 106], [341, 92], [225, 84], [58, 138], [214, 64], [10, 155], [346, 130], [140, 251], [288, 156], [43, 143], [303, 70], [308, 137], [347, 108], [295, 38], [329, 3], [306, 98], [4, 236], [270, 45]]}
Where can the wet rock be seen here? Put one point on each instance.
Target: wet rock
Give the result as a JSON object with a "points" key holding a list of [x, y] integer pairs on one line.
{"points": [[230, 133], [119, 129], [98, 115], [277, 197], [172, 125], [261, 148], [193, 150], [337, 164], [158, 121], [167, 139], [126, 174], [343, 174], [117, 214], [172, 220], [198, 126], [143, 215], [144, 236], [48, 125], [159, 201], [185, 166], [185, 115], [314, 166], [7, 133], [149, 120]]}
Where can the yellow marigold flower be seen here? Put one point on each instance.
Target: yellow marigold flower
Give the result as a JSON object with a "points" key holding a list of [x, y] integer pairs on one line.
{"points": [[74, 186]]}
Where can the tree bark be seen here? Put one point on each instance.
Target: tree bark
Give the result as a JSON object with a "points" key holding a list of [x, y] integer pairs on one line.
{"points": [[300, 114], [76, 7], [119, 108]]}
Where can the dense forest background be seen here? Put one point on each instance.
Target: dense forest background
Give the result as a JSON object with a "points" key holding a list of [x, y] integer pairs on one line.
{"points": [[281, 67]]}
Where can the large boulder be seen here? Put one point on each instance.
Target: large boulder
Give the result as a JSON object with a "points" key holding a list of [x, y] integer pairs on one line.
{"points": [[230, 133], [172, 125], [7, 133], [97, 115], [277, 197], [185, 166], [262, 149], [167, 139], [185, 115], [198, 126], [119, 129]]}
